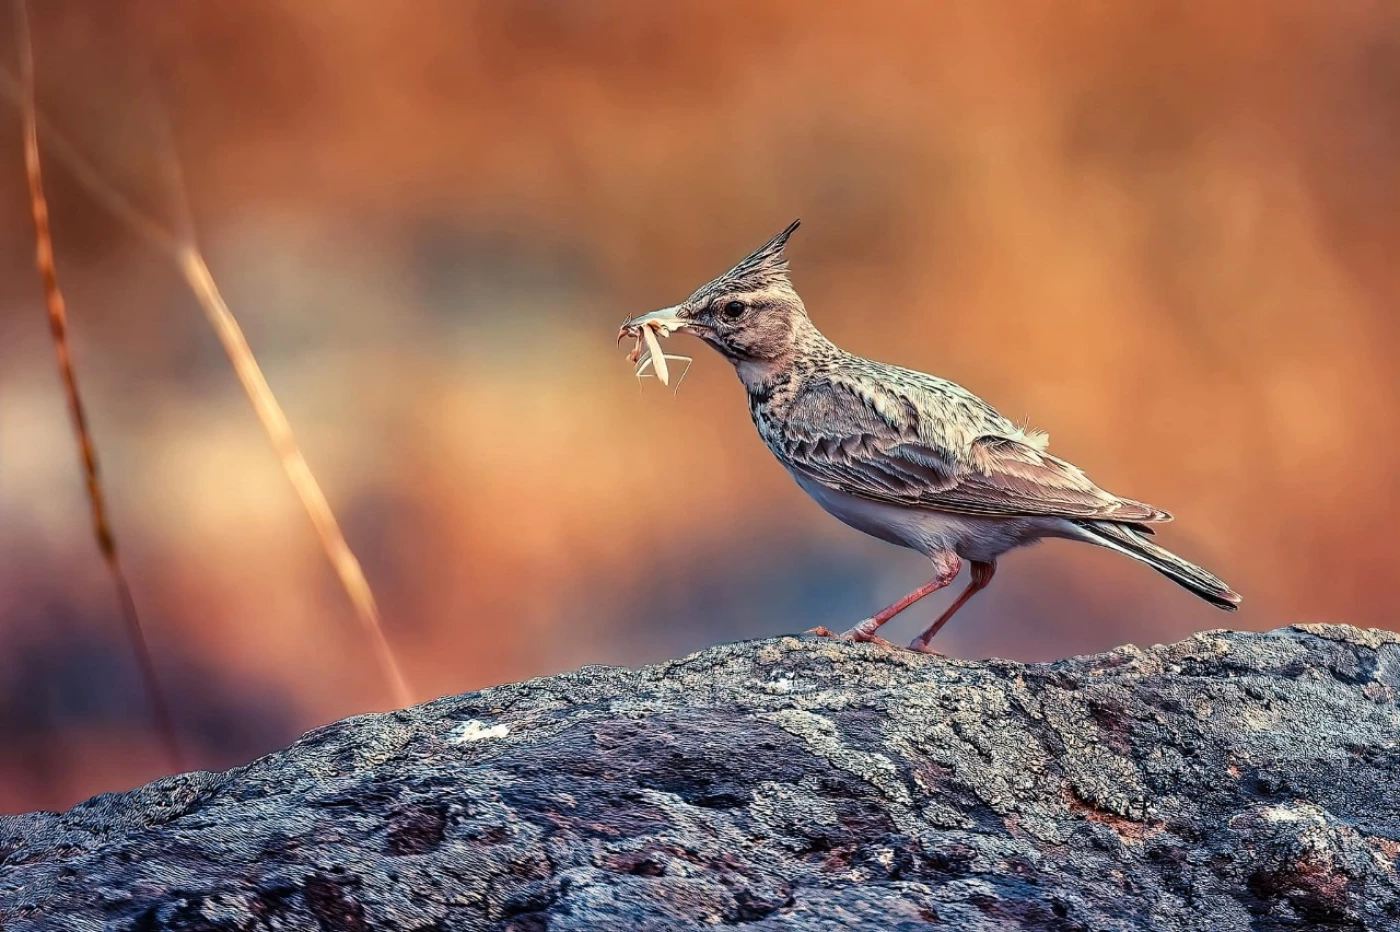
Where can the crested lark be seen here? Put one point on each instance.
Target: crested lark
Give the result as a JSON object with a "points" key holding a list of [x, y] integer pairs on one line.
{"points": [[909, 458]]}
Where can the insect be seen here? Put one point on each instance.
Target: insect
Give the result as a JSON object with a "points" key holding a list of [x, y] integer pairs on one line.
{"points": [[647, 352]]}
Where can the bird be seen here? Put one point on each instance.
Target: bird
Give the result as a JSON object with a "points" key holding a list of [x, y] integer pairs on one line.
{"points": [[909, 458]]}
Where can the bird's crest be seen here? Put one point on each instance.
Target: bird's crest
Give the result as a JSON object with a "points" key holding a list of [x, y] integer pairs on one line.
{"points": [[765, 267]]}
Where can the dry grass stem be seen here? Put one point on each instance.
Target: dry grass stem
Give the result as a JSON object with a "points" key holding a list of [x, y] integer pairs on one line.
{"points": [[87, 450], [279, 431], [187, 257]]}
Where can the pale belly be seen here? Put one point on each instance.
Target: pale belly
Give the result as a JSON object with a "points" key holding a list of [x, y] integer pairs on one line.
{"points": [[932, 532]]}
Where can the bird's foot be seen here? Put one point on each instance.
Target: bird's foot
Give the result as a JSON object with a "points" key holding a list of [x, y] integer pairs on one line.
{"points": [[919, 645], [862, 632]]}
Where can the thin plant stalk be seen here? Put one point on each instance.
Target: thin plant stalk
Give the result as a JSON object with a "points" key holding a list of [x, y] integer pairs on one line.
{"points": [[87, 448], [185, 253], [284, 442]]}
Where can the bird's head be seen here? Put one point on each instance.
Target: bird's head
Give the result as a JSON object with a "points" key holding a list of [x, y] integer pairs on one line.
{"points": [[750, 314]]}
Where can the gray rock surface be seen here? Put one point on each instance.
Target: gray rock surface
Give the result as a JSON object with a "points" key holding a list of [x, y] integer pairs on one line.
{"points": [[1232, 781]]}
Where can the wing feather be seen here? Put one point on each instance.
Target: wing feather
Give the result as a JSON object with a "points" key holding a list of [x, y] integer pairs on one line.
{"points": [[888, 445]]}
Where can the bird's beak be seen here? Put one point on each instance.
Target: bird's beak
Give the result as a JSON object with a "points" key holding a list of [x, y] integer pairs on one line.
{"points": [[666, 321]]}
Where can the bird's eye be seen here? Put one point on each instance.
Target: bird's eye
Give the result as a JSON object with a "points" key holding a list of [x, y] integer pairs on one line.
{"points": [[734, 309]]}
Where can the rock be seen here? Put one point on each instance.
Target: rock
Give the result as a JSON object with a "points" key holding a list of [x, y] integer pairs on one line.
{"points": [[1231, 781]]}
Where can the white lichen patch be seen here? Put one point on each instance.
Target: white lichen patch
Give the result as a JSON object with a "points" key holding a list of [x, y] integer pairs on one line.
{"points": [[1284, 814], [823, 738], [778, 686], [1385, 852], [1312, 827], [473, 730]]}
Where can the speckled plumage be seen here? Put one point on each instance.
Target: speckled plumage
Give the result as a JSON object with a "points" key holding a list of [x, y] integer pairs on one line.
{"points": [[906, 457]]}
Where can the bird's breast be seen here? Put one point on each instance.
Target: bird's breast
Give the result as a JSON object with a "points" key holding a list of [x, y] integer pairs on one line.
{"points": [[905, 527]]}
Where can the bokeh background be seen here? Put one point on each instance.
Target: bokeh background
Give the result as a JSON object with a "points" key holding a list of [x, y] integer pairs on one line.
{"points": [[1164, 232]]}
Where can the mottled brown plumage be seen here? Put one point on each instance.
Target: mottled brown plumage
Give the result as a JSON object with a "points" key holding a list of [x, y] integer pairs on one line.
{"points": [[906, 457]]}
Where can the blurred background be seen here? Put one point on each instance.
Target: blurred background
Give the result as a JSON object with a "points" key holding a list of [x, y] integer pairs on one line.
{"points": [[1163, 232]]}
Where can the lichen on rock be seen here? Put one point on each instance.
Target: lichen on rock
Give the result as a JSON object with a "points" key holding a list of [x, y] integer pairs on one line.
{"points": [[1231, 781]]}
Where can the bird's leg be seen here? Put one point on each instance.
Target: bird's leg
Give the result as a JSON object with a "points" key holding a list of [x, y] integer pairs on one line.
{"points": [[981, 575], [946, 568]]}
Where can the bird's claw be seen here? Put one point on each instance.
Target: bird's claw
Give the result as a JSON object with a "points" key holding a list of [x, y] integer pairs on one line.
{"points": [[858, 634]]}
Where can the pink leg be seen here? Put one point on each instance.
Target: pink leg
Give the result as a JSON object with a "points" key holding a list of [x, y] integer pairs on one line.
{"points": [[946, 568], [981, 575]]}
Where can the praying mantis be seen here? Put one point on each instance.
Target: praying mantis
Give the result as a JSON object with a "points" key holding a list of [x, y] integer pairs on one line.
{"points": [[647, 339]]}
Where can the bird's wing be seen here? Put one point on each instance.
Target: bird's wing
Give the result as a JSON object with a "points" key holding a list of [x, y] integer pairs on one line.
{"points": [[1008, 477], [888, 445]]}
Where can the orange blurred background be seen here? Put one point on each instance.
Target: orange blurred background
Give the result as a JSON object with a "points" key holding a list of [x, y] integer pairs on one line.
{"points": [[1163, 232]]}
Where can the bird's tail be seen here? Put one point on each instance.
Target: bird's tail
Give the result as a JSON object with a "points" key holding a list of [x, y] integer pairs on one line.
{"points": [[1126, 540]]}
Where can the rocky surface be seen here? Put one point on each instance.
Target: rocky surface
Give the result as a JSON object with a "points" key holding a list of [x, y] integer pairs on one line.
{"points": [[1232, 781]]}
